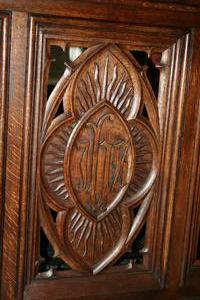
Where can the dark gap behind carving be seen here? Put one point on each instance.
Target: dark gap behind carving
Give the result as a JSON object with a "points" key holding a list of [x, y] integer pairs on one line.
{"points": [[57, 68], [135, 255], [47, 253], [48, 261], [153, 73], [144, 112], [141, 57], [60, 58]]}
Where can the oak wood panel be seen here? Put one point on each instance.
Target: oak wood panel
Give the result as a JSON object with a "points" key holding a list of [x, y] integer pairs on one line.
{"points": [[180, 294], [176, 55], [77, 287], [41, 31], [14, 216], [179, 123], [4, 62], [142, 12], [132, 36], [186, 215], [42, 35], [172, 143], [194, 228]]}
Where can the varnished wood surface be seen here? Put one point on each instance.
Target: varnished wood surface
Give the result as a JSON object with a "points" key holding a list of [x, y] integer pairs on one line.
{"points": [[130, 284], [191, 207], [142, 12], [174, 110], [14, 215], [4, 82], [91, 286], [173, 220], [131, 36]]}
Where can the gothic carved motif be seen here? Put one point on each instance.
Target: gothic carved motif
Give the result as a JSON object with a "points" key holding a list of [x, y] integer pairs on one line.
{"points": [[98, 159]]}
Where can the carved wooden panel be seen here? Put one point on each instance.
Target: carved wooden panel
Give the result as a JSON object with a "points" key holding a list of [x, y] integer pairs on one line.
{"points": [[98, 159], [94, 166]]}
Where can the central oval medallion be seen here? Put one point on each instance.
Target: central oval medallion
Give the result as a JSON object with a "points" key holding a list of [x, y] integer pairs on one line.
{"points": [[99, 161]]}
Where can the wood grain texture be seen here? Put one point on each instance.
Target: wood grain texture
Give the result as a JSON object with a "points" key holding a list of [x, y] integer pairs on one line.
{"points": [[143, 12], [194, 193], [14, 219], [78, 287], [4, 62], [132, 36], [187, 209], [173, 219], [180, 68]]}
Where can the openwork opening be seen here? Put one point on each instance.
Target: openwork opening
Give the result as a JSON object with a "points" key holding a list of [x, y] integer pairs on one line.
{"points": [[59, 58], [150, 66], [98, 160], [49, 264], [135, 254]]}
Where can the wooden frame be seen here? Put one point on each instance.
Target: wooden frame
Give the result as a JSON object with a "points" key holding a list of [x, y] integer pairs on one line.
{"points": [[4, 82], [178, 182], [137, 12]]}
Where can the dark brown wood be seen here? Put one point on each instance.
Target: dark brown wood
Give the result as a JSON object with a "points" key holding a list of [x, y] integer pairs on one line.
{"points": [[107, 99], [14, 215], [4, 62], [132, 36], [77, 287], [142, 12], [187, 208], [173, 117]]}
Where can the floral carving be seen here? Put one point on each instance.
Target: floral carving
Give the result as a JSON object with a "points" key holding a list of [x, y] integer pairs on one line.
{"points": [[99, 159]]}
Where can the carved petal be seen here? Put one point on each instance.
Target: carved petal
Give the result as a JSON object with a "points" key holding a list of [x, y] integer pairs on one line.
{"points": [[99, 161], [52, 164], [92, 242], [146, 161], [110, 76]]}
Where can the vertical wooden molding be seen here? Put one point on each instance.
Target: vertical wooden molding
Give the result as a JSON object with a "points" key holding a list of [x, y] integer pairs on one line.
{"points": [[184, 143], [189, 181], [170, 163], [4, 61], [15, 206], [166, 71]]}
